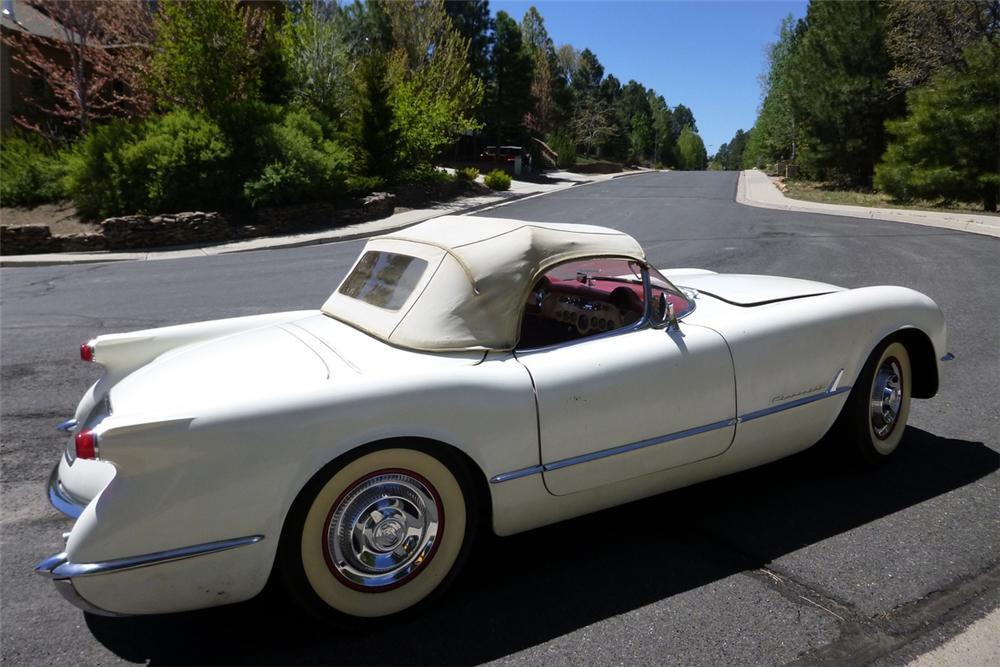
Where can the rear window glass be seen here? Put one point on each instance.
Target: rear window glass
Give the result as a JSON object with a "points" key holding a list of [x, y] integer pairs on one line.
{"points": [[384, 279]]}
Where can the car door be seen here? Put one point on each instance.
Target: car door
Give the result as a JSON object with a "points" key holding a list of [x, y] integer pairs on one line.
{"points": [[631, 402]]}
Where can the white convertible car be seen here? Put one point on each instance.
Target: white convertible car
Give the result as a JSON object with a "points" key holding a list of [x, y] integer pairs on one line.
{"points": [[468, 374]]}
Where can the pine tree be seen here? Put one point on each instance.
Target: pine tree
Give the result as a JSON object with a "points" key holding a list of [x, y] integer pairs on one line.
{"points": [[949, 145]]}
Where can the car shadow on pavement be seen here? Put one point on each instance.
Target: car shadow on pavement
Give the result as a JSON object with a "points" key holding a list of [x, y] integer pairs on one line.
{"points": [[520, 591]]}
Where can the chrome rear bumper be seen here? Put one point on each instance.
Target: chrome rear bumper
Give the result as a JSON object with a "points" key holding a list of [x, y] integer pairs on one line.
{"points": [[61, 499], [68, 591], [59, 568]]}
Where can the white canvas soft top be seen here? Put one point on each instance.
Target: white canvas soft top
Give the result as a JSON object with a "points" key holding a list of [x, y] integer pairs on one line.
{"points": [[479, 272]]}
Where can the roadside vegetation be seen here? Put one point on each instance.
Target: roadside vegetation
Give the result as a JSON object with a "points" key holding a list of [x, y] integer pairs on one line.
{"points": [[222, 105], [838, 193], [498, 179], [898, 100]]}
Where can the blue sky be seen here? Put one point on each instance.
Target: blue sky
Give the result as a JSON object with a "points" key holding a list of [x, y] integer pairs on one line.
{"points": [[705, 55]]}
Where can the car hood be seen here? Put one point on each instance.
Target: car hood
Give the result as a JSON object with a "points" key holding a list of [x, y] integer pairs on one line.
{"points": [[229, 368], [751, 290]]}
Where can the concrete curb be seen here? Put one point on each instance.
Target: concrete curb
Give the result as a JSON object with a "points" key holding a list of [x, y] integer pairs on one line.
{"points": [[756, 189], [352, 233]]}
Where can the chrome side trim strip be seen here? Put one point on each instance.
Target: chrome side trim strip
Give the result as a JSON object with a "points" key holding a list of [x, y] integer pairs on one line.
{"points": [[948, 357], [642, 444], [836, 380], [614, 451], [515, 474], [61, 499], [58, 566], [792, 404], [67, 425]]}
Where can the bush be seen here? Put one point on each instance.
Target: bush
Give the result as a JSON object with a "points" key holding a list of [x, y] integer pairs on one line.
{"points": [[34, 172], [300, 164], [426, 176], [94, 178], [175, 162], [466, 174], [498, 179], [565, 148], [362, 185]]}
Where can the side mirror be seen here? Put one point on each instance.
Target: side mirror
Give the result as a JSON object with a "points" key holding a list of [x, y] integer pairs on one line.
{"points": [[671, 316], [664, 313]]}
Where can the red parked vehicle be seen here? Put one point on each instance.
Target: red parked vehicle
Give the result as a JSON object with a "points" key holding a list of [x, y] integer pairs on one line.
{"points": [[506, 154]]}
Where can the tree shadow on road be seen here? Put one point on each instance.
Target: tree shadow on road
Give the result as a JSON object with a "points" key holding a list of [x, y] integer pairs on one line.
{"points": [[520, 591]]}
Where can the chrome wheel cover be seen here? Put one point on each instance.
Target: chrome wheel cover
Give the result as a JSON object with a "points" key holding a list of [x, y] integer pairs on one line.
{"points": [[887, 398], [383, 529]]}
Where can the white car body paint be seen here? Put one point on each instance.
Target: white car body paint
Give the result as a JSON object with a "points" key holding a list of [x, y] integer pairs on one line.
{"points": [[215, 427]]}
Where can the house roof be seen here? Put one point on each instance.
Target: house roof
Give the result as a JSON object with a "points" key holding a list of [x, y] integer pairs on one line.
{"points": [[21, 16]]}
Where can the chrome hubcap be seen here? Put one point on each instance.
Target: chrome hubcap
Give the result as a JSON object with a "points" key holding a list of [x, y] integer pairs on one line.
{"points": [[383, 530], [887, 398]]}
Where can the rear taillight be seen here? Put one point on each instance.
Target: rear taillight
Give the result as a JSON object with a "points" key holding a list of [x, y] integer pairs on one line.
{"points": [[86, 352], [86, 445]]}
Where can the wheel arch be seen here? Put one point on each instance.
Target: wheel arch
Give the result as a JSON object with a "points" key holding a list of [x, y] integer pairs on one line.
{"points": [[923, 361], [448, 453]]}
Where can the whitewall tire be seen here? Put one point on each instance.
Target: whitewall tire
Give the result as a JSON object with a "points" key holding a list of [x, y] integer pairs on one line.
{"points": [[379, 532], [874, 417]]}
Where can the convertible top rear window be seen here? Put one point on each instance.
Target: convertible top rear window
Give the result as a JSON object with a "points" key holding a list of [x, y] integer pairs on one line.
{"points": [[384, 279]]}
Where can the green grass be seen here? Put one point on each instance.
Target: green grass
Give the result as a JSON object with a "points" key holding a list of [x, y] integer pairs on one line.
{"points": [[828, 193]]}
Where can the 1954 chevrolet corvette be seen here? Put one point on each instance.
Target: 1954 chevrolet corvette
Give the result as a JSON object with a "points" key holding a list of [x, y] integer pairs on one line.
{"points": [[468, 374]]}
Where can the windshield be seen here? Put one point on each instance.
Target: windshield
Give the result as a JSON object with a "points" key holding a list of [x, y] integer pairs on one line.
{"points": [[611, 269]]}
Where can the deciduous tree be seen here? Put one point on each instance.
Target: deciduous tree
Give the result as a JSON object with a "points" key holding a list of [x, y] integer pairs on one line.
{"points": [[316, 50], [691, 153], [928, 36], [774, 134], [594, 122], [431, 88], [203, 59], [105, 45]]}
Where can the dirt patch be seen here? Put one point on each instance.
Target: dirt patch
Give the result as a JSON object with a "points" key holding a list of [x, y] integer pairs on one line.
{"points": [[61, 217]]}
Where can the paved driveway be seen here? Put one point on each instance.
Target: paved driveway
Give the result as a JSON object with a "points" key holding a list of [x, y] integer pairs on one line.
{"points": [[796, 560]]}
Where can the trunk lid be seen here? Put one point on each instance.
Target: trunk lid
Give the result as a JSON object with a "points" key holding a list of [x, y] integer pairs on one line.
{"points": [[249, 364]]}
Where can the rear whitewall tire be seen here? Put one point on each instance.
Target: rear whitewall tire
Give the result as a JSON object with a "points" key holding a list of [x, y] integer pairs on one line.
{"points": [[335, 576]]}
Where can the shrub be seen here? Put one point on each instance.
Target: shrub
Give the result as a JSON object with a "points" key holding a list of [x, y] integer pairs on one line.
{"points": [[466, 174], [299, 163], [362, 185], [34, 171], [565, 148], [94, 175], [498, 179], [425, 175], [181, 163], [175, 162]]}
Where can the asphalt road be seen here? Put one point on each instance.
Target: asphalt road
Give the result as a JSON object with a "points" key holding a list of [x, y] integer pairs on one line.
{"points": [[799, 560]]}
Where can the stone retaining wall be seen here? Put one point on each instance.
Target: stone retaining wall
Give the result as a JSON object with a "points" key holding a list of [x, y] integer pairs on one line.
{"points": [[26, 240], [141, 231], [131, 232]]}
